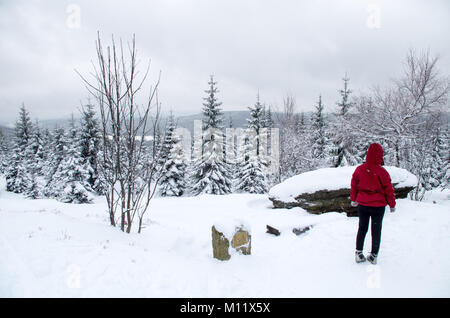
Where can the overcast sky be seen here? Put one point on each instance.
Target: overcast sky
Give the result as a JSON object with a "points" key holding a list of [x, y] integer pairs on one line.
{"points": [[302, 48]]}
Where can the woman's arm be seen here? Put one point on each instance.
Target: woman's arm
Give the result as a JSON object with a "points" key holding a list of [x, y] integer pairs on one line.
{"points": [[354, 185], [388, 188]]}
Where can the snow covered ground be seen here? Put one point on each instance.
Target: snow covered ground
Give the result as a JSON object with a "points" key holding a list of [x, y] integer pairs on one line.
{"points": [[52, 249]]}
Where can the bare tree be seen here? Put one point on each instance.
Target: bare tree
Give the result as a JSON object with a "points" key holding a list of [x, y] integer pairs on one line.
{"points": [[393, 114], [129, 161]]}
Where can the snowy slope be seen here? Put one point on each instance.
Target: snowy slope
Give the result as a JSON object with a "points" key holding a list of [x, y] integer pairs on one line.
{"points": [[331, 179], [50, 248]]}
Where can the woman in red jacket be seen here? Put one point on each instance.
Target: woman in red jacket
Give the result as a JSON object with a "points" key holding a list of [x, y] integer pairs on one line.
{"points": [[371, 191]]}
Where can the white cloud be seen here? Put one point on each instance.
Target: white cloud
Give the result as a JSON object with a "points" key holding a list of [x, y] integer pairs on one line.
{"points": [[274, 46]]}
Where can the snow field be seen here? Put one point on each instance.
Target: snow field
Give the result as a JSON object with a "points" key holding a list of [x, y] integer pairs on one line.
{"points": [[53, 249]]}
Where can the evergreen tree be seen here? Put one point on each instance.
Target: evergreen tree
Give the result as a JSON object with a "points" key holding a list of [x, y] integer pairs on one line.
{"points": [[439, 158], [268, 119], [35, 163], [58, 154], [230, 122], [3, 153], [344, 105], [168, 141], [319, 136], [341, 132], [35, 150], [251, 177], [173, 182], [210, 171], [257, 121], [71, 177], [90, 142], [17, 176]]}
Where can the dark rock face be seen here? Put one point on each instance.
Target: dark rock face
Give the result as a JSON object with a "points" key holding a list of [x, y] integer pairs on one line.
{"points": [[330, 201]]}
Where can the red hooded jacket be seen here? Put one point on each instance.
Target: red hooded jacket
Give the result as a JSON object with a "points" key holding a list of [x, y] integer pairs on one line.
{"points": [[371, 183]]}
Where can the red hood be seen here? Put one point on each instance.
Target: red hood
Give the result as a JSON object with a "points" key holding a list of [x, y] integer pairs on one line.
{"points": [[375, 154]]}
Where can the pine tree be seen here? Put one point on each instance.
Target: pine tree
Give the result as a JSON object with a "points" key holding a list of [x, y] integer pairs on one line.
{"points": [[210, 171], [90, 142], [230, 122], [251, 176], [58, 153], [173, 182], [34, 189], [319, 136], [341, 132], [17, 176], [344, 105], [35, 163], [4, 151], [168, 141], [212, 113], [35, 150], [71, 177], [268, 119], [439, 158], [257, 121]]}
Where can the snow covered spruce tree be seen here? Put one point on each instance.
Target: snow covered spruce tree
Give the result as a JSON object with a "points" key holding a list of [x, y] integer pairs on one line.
{"points": [[251, 177], [341, 131], [18, 178], [428, 157], [269, 123], [165, 140], [210, 173], [35, 162], [55, 158], [173, 181], [319, 138], [90, 140], [71, 178], [441, 154], [268, 118], [4, 152], [130, 175]]}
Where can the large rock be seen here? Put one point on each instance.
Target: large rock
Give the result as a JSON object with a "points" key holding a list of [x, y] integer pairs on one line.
{"points": [[328, 189], [220, 245], [240, 238]]}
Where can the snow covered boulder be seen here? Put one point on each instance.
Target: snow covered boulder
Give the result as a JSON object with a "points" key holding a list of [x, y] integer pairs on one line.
{"points": [[223, 233], [328, 189]]}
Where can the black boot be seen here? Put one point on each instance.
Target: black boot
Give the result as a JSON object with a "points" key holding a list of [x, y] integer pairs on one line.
{"points": [[359, 257], [372, 257]]}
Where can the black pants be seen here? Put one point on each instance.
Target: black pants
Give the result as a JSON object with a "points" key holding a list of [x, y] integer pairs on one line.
{"points": [[366, 213]]}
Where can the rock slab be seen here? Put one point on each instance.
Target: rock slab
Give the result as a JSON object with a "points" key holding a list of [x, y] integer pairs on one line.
{"points": [[328, 190]]}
